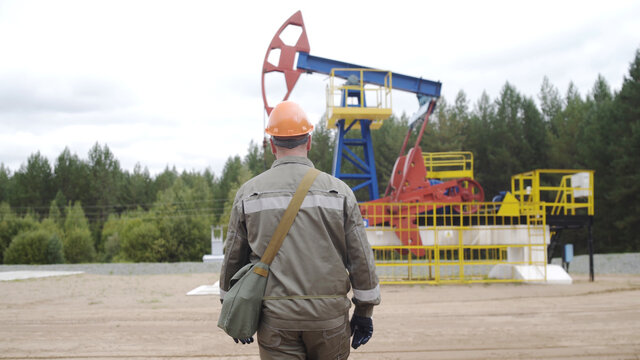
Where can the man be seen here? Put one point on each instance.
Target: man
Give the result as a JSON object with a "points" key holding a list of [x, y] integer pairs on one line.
{"points": [[305, 312]]}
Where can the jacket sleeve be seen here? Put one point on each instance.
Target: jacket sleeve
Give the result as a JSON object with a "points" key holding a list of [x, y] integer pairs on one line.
{"points": [[360, 263], [236, 247]]}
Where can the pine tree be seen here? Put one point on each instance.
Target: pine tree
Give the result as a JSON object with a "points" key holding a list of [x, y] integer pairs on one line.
{"points": [[565, 128], [5, 179], [254, 160], [550, 102], [71, 178], [387, 142], [164, 180], [625, 192], [506, 142], [534, 137], [448, 134], [480, 139], [243, 176], [229, 177], [136, 189], [598, 146], [105, 179], [322, 147], [33, 187]]}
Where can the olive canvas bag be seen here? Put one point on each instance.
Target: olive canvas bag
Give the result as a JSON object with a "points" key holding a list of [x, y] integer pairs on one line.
{"points": [[240, 315]]}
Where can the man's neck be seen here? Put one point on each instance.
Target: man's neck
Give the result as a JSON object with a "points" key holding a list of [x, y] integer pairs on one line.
{"points": [[299, 151]]}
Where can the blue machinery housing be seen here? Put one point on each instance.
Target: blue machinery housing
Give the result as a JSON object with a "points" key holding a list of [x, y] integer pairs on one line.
{"points": [[423, 89]]}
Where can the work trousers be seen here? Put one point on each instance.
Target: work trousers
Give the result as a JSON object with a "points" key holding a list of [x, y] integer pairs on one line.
{"points": [[275, 344]]}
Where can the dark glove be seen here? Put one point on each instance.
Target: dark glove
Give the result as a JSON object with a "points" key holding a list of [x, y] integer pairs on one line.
{"points": [[361, 329], [244, 341], [248, 340]]}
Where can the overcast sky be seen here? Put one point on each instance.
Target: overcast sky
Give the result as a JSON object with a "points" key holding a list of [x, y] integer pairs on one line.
{"points": [[178, 82]]}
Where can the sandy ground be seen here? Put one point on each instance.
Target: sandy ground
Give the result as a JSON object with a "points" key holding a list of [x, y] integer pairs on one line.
{"points": [[150, 317]]}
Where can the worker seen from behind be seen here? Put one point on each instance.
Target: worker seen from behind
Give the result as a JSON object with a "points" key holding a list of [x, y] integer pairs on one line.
{"points": [[305, 308]]}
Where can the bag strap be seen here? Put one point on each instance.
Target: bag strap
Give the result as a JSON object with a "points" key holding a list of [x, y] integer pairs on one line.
{"points": [[287, 220]]}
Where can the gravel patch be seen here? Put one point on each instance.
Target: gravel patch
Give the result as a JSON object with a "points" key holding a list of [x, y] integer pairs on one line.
{"points": [[603, 264], [124, 268]]}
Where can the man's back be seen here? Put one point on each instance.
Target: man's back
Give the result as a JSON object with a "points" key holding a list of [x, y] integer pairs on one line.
{"points": [[308, 283]]}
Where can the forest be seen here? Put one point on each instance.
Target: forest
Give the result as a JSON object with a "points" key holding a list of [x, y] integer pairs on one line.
{"points": [[74, 210]]}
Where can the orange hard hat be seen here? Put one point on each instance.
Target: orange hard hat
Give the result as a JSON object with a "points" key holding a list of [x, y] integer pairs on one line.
{"points": [[288, 119]]}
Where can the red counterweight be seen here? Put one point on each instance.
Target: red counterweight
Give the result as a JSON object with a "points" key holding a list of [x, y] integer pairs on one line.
{"points": [[286, 61], [408, 185]]}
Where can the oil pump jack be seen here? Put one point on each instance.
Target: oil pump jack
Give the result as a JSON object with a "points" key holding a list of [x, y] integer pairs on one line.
{"points": [[409, 183]]}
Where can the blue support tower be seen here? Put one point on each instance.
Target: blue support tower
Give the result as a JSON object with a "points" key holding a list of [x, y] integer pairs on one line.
{"points": [[366, 165]]}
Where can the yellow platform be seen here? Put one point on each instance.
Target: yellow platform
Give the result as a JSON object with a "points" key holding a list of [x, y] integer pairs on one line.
{"points": [[377, 98], [350, 114], [449, 165]]}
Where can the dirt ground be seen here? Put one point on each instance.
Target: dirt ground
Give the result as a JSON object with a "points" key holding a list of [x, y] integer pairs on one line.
{"points": [[150, 317]]}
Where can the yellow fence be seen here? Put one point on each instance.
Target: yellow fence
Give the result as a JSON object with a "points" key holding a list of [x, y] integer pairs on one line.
{"points": [[440, 243], [449, 165]]}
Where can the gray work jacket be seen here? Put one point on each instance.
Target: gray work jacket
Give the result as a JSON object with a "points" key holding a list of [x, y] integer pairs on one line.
{"points": [[325, 252]]}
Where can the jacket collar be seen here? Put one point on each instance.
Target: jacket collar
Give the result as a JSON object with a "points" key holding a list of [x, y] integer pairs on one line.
{"points": [[292, 160]]}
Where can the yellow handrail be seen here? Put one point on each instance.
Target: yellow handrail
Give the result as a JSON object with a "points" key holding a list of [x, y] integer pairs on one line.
{"points": [[377, 110], [573, 195], [449, 165]]}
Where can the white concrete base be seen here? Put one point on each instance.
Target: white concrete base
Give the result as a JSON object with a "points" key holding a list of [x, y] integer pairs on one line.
{"points": [[531, 273], [212, 258], [206, 290], [28, 274], [557, 275]]}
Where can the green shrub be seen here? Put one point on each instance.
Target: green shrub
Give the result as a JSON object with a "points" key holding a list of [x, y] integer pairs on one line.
{"points": [[78, 243], [12, 225], [78, 246], [138, 241], [111, 249], [55, 250], [35, 247], [110, 238], [51, 227], [75, 218], [183, 224]]}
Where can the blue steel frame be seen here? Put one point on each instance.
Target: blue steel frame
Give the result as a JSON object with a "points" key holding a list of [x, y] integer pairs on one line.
{"points": [[367, 164], [420, 87]]}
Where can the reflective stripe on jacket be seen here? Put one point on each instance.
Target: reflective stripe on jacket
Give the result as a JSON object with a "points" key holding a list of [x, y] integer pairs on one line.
{"points": [[325, 252]]}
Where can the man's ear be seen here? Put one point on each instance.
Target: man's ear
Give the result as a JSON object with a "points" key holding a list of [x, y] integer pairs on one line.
{"points": [[309, 143], [273, 147]]}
